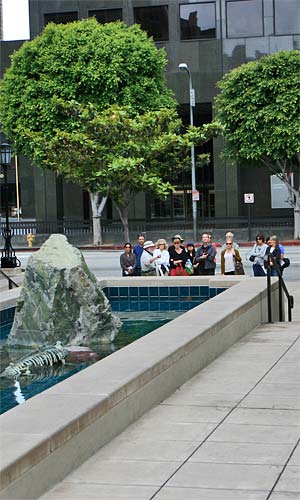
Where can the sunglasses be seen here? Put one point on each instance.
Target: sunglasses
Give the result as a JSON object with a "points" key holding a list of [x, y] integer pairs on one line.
{"points": [[228, 244], [127, 247], [257, 239]]}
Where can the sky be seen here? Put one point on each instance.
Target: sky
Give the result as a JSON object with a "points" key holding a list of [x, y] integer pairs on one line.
{"points": [[15, 20]]}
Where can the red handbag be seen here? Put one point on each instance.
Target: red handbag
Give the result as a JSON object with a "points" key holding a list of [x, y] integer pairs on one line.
{"points": [[178, 271]]}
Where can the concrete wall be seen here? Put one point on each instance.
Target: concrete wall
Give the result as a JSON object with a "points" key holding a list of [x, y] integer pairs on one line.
{"points": [[54, 432]]}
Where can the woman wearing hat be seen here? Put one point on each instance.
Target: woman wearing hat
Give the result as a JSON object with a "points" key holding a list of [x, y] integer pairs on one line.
{"points": [[191, 251], [178, 257], [148, 260]]}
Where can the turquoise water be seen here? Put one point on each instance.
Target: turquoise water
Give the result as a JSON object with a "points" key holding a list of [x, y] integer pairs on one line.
{"points": [[141, 309], [135, 325]]}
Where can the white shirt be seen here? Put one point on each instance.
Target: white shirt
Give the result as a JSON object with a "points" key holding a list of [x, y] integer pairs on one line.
{"points": [[164, 258], [146, 265], [229, 263]]}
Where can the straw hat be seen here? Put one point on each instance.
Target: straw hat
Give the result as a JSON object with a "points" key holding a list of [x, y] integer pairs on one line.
{"points": [[177, 237], [148, 244]]}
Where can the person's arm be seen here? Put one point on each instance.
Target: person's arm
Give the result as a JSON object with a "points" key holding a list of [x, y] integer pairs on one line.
{"points": [[223, 262], [122, 262], [237, 255], [165, 258], [133, 262], [198, 256], [211, 254]]}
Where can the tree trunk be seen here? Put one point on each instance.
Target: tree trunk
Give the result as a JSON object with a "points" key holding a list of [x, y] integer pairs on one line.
{"points": [[294, 201], [123, 213], [297, 218], [97, 209]]}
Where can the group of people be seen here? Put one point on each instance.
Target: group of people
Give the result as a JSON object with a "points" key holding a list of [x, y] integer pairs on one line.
{"points": [[268, 253], [157, 259]]}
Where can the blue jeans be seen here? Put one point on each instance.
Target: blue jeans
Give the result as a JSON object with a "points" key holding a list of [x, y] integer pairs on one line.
{"points": [[273, 271], [258, 270]]}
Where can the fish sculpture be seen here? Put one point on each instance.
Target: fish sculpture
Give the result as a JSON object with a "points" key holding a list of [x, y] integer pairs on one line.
{"points": [[42, 357]]}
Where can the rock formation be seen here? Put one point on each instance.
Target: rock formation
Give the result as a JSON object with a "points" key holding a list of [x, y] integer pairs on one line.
{"points": [[61, 300]]}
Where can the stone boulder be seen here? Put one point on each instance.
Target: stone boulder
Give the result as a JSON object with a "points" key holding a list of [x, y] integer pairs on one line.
{"points": [[61, 300]]}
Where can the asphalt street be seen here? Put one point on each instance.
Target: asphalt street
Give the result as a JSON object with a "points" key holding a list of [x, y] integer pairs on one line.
{"points": [[107, 262]]}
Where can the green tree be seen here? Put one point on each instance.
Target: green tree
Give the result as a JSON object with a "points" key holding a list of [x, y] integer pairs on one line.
{"points": [[119, 153], [259, 109], [83, 61]]}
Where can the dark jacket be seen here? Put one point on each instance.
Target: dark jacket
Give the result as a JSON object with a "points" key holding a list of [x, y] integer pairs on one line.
{"points": [[138, 250], [209, 262], [128, 260], [275, 254]]}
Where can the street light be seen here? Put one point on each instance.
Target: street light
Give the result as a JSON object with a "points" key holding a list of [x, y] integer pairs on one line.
{"points": [[8, 258], [184, 67]]}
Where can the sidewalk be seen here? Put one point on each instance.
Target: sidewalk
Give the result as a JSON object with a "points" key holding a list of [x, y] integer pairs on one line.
{"points": [[230, 433]]}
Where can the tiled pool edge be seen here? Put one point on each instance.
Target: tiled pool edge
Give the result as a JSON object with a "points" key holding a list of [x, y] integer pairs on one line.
{"points": [[114, 393]]}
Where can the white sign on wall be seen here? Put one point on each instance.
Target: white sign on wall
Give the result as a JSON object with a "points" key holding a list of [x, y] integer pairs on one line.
{"points": [[248, 197], [279, 193]]}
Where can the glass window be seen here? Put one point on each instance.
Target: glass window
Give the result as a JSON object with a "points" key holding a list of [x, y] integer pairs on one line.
{"points": [[161, 208], [154, 20], [60, 17], [287, 17], [106, 15], [244, 18], [197, 20]]}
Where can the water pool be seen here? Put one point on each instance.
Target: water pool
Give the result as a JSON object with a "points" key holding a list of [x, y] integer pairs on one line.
{"points": [[141, 309]]}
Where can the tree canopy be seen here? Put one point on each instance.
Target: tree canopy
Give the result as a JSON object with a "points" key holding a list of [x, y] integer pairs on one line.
{"points": [[259, 110], [102, 64], [90, 102], [120, 153]]}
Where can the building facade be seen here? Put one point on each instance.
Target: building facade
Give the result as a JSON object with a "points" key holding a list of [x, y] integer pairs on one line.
{"points": [[212, 37]]}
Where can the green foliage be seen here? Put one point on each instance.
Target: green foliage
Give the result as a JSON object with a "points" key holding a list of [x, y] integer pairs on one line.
{"points": [[90, 102], [259, 109], [119, 152], [82, 61]]}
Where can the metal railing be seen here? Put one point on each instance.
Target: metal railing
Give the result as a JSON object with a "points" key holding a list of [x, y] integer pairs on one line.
{"points": [[281, 287], [73, 227], [11, 282]]}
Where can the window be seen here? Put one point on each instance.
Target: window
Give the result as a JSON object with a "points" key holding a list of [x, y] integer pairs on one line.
{"points": [[287, 17], [106, 15], [198, 20], [60, 17], [161, 208], [154, 20], [244, 18]]}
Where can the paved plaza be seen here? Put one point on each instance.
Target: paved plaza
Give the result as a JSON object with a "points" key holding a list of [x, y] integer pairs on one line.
{"points": [[230, 433]]}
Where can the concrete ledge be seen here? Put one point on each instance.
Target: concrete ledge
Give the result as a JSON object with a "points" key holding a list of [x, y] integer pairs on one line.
{"points": [[54, 432]]}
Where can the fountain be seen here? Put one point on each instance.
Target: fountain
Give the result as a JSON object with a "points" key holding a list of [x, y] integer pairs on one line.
{"points": [[61, 301]]}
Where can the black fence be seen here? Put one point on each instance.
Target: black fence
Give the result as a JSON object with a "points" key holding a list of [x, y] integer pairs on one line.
{"points": [[73, 227]]}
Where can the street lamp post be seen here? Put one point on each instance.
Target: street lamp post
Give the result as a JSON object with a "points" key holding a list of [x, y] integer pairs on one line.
{"points": [[8, 258], [184, 67]]}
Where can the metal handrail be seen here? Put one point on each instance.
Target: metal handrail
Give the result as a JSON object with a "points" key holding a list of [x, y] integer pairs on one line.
{"points": [[11, 282], [281, 286]]}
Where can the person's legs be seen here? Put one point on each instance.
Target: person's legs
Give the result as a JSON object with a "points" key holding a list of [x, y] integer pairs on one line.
{"points": [[258, 270], [208, 272]]}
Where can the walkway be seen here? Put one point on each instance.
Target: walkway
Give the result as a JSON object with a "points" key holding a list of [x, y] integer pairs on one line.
{"points": [[230, 433]]}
